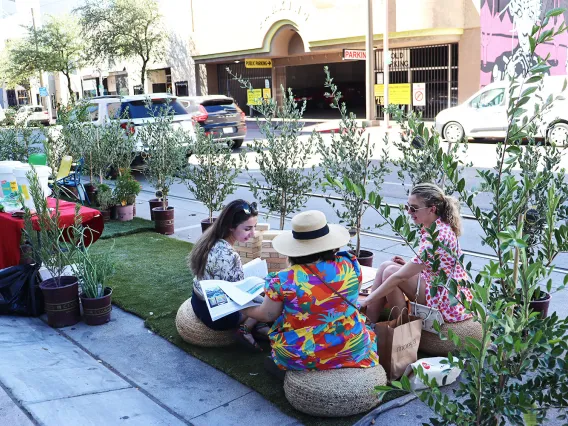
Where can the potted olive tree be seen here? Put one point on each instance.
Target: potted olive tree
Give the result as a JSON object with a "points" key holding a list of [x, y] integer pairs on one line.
{"points": [[93, 271], [517, 371], [283, 157], [45, 239], [210, 175], [349, 157], [125, 192], [165, 152]]}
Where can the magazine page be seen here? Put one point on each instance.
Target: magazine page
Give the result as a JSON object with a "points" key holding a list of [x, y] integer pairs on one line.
{"points": [[256, 268], [243, 291], [219, 304]]}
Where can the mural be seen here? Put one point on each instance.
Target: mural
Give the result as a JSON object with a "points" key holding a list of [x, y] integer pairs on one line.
{"points": [[505, 30]]}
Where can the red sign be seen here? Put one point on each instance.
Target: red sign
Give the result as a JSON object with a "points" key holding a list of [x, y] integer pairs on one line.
{"points": [[354, 54]]}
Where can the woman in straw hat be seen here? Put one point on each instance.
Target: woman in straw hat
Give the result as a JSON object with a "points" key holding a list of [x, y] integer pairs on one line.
{"points": [[317, 326], [214, 258], [427, 205]]}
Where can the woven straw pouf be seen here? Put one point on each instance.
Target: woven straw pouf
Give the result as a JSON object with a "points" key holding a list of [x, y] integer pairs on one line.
{"points": [[431, 344], [334, 393], [193, 331]]}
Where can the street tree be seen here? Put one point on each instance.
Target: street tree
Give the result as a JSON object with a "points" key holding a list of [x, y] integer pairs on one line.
{"points": [[55, 47], [122, 30]]}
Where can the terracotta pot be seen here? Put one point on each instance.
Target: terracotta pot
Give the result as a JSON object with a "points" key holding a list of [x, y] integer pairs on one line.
{"points": [[164, 220], [61, 298], [155, 202], [125, 213], [106, 215], [541, 305], [97, 311], [205, 224], [365, 257]]}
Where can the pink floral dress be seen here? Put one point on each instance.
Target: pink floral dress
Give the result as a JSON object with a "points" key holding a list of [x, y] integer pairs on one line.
{"points": [[441, 300]]}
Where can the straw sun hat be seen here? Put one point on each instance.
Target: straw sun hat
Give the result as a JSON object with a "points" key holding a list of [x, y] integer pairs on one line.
{"points": [[310, 234]]}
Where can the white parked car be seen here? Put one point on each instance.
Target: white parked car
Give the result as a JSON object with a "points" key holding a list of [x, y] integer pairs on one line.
{"points": [[33, 114], [484, 115], [133, 112]]}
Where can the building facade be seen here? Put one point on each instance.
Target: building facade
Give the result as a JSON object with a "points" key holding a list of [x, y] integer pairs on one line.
{"points": [[454, 47], [435, 42]]}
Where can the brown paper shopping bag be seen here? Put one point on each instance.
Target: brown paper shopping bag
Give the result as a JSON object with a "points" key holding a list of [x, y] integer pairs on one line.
{"points": [[397, 343]]}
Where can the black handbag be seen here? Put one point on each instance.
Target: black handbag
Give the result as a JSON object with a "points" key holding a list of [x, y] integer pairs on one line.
{"points": [[19, 291]]}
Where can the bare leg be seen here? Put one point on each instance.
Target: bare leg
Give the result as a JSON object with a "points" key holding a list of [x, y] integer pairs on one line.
{"points": [[374, 310], [396, 296]]}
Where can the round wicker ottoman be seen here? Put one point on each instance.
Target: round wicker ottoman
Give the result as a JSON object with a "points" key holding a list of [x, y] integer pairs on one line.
{"points": [[431, 344], [334, 393], [193, 331]]}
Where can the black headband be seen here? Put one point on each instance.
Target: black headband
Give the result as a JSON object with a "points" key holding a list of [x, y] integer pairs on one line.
{"points": [[311, 235]]}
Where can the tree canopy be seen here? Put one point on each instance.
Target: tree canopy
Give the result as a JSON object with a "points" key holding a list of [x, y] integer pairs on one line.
{"points": [[123, 29], [55, 47]]}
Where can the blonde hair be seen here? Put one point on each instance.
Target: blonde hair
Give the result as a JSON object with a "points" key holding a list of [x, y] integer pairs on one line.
{"points": [[447, 207]]}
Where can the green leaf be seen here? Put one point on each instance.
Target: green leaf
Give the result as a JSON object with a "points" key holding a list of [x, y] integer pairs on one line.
{"points": [[555, 12]]}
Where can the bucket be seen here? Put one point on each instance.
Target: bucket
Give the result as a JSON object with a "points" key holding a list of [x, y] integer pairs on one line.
{"points": [[7, 179], [164, 220], [39, 159], [24, 184]]}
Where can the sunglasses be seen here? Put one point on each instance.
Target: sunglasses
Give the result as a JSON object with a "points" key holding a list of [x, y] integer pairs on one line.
{"points": [[249, 208], [412, 209]]}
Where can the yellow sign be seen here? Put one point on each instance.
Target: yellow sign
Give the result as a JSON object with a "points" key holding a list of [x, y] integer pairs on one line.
{"points": [[399, 94], [254, 97], [266, 93], [258, 63]]}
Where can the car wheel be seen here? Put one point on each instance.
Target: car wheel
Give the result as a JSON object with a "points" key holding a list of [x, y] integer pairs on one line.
{"points": [[453, 132], [236, 143], [558, 134]]}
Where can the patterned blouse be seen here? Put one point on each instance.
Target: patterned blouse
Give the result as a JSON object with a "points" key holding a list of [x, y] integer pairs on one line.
{"points": [[223, 263], [441, 301], [317, 329]]}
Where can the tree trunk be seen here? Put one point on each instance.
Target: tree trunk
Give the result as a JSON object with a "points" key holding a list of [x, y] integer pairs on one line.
{"points": [[71, 97], [143, 75]]}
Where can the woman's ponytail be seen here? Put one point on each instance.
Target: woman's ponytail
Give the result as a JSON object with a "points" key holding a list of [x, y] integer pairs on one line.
{"points": [[450, 213]]}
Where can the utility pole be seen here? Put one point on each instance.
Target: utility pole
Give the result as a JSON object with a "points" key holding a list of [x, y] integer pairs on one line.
{"points": [[48, 100], [370, 66], [386, 59]]}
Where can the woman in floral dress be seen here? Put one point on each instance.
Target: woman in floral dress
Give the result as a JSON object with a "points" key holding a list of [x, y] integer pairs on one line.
{"points": [[427, 204], [315, 327]]}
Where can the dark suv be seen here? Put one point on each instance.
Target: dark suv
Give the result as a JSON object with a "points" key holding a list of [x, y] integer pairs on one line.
{"points": [[219, 116]]}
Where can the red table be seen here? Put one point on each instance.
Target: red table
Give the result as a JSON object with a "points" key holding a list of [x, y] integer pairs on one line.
{"points": [[11, 229]]}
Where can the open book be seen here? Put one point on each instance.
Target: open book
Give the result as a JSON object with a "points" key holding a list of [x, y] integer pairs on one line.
{"points": [[224, 297]]}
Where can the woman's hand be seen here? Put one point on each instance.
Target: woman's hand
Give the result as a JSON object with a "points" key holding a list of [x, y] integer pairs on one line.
{"points": [[399, 260]]}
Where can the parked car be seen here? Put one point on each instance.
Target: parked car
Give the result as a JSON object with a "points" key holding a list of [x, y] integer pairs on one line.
{"points": [[484, 115], [219, 116], [133, 112], [33, 114]]}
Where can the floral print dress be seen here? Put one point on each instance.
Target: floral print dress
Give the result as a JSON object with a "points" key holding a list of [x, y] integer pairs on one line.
{"points": [[317, 329], [441, 300]]}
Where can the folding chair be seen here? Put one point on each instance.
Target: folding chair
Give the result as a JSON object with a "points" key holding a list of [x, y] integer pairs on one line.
{"points": [[67, 178]]}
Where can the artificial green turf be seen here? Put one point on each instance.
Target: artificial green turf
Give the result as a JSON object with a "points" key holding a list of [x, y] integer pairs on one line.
{"points": [[115, 228], [152, 276]]}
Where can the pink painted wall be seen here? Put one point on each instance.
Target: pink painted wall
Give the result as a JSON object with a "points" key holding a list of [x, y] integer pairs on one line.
{"points": [[505, 25]]}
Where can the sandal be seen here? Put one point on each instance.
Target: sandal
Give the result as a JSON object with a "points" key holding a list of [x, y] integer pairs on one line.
{"points": [[242, 331], [257, 334]]}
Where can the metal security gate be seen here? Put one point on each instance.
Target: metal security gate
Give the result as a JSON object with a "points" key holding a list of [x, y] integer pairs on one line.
{"points": [[436, 66], [230, 87]]}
